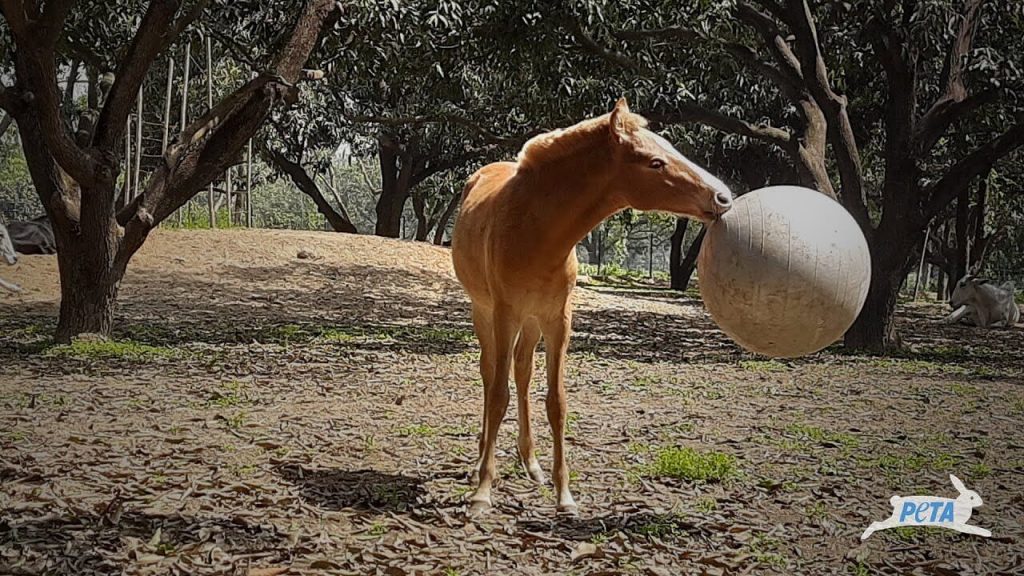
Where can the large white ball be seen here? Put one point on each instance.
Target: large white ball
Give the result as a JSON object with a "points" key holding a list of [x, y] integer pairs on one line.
{"points": [[785, 272]]}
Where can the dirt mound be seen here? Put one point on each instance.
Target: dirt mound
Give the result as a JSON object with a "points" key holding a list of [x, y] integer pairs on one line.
{"points": [[209, 253]]}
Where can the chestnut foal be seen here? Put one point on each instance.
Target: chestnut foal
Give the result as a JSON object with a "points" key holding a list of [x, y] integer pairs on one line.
{"points": [[514, 251]]}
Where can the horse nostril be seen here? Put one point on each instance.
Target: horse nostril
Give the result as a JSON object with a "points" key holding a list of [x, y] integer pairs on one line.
{"points": [[724, 199]]}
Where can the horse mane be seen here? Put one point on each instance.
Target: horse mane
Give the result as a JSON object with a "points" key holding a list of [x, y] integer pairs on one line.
{"points": [[558, 144]]}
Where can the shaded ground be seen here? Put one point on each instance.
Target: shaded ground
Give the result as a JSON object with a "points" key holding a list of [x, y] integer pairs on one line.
{"points": [[320, 415]]}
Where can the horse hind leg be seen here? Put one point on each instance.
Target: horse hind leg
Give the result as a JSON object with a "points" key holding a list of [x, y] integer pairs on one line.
{"points": [[505, 329], [525, 347], [483, 326]]}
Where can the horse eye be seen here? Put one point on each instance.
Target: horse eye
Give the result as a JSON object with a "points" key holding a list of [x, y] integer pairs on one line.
{"points": [[657, 163]]}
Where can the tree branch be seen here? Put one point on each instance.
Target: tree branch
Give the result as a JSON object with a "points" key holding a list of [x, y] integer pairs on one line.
{"points": [[840, 130], [51, 24], [307, 185], [772, 38], [959, 176], [684, 113], [671, 33], [443, 118], [592, 46], [954, 102], [155, 33], [211, 143]]}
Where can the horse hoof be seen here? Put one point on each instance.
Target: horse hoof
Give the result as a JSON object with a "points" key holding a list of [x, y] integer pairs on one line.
{"points": [[535, 474], [568, 511], [478, 507]]}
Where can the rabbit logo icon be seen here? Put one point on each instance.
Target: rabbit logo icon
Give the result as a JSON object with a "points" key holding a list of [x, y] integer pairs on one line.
{"points": [[952, 513]]}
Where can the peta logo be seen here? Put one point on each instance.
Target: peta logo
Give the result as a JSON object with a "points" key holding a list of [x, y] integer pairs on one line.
{"points": [[952, 513]]}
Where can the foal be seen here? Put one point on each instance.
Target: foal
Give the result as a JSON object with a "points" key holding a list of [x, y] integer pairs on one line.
{"points": [[514, 251]]}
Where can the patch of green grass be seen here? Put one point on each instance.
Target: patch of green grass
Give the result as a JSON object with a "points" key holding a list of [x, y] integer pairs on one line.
{"points": [[369, 443], [859, 569], [15, 435], [979, 470], [821, 436], [817, 511], [194, 217], [1018, 406], [763, 366], [449, 571], [911, 533], [660, 526], [962, 390], [287, 332], [235, 421], [571, 420], [417, 430], [377, 529], [231, 395], [245, 471], [645, 381], [126, 350], [460, 491], [927, 366], [706, 504], [765, 550], [341, 335], [442, 335], [689, 464], [897, 466]]}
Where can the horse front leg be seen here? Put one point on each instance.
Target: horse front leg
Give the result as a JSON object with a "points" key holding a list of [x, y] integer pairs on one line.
{"points": [[556, 339]]}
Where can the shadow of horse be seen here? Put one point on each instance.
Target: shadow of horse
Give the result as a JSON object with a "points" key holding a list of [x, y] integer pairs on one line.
{"points": [[369, 490]]}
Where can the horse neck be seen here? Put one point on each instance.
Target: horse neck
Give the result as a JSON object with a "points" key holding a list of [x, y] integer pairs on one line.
{"points": [[576, 194]]}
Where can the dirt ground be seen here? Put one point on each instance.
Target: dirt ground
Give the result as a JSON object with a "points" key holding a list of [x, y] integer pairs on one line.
{"points": [[267, 414]]}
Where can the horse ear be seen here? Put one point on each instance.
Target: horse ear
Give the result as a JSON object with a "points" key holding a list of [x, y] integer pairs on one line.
{"points": [[617, 120], [957, 484]]}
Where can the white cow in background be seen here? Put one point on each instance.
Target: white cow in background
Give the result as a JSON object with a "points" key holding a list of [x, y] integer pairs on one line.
{"points": [[981, 303], [8, 256]]}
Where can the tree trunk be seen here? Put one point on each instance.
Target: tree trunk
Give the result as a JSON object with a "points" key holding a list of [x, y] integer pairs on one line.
{"points": [[442, 222], [689, 263], [90, 276], [675, 254], [892, 258], [980, 241], [392, 198], [419, 206], [5, 123], [963, 249], [301, 178]]}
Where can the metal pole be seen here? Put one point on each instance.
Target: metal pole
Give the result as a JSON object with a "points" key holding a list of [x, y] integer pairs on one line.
{"points": [[229, 185], [248, 185], [184, 100], [920, 267], [650, 256], [209, 106], [127, 162], [138, 143], [167, 106]]}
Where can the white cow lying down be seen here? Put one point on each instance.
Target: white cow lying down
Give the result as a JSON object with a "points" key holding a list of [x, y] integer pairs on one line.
{"points": [[981, 303], [7, 256]]}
